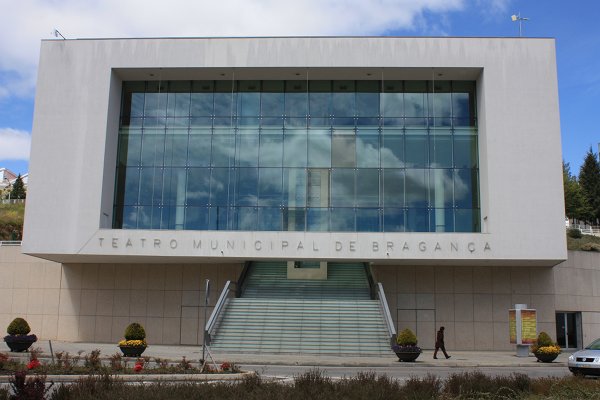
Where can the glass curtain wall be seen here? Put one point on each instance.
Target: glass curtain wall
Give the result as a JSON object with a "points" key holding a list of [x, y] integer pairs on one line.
{"points": [[339, 156]]}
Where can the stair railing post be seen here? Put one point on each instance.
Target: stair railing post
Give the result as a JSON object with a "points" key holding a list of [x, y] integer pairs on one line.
{"points": [[206, 301]]}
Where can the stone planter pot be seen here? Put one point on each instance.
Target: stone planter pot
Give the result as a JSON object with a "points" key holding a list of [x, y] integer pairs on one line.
{"points": [[132, 351], [19, 343], [408, 356], [544, 357]]}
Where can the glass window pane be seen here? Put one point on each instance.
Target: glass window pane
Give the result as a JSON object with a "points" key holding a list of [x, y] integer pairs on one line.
{"points": [[149, 217], [296, 99], [441, 188], [130, 147], [199, 146], [221, 218], [466, 189], [318, 188], [198, 186], [319, 148], [294, 187], [178, 104], [294, 219], [224, 99], [440, 149], [367, 150], [367, 185], [465, 151], [342, 220], [393, 188], [441, 220], [269, 186], [247, 194], [271, 148], [129, 218], [151, 184], [153, 147], [342, 187], [417, 151], [394, 220], [223, 150], [196, 218], [174, 192], [317, 219], [155, 103], [249, 99], [416, 188], [463, 102], [247, 149], [392, 149], [343, 148], [367, 220], [246, 218], [269, 219], [272, 99], [392, 99], [417, 220], [295, 148], [176, 143], [344, 99], [320, 99], [129, 185], [221, 186], [467, 220], [367, 98], [172, 218]]}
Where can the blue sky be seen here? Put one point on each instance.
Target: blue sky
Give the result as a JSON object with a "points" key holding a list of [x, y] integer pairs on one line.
{"points": [[574, 24]]}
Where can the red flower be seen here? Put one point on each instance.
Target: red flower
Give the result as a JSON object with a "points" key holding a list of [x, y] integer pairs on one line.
{"points": [[138, 366], [225, 366], [33, 364]]}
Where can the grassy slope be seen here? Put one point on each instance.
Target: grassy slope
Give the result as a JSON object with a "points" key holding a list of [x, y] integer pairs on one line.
{"points": [[575, 244], [11, 219]]}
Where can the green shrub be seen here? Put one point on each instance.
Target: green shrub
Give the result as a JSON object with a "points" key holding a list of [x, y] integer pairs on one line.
{"points": [[544, 340], [18, 326], [135, 331], [406, 338], [574, 233]]}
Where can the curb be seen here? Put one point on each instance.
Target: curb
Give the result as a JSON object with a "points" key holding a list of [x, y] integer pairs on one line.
{"points": [[147, 377]]}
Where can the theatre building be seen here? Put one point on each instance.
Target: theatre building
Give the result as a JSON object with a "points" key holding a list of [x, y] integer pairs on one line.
{"points": [[296, 175]]}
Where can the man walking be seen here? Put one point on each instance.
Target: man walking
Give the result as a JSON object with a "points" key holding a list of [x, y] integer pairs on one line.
{"points": [[439, 343]]}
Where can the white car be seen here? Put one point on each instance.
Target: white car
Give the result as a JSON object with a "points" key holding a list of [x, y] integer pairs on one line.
{"points": [[586, 361]]}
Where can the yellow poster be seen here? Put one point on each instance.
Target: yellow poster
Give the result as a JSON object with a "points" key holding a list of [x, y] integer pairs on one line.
{"points": [[528, 326], [512, 326]]}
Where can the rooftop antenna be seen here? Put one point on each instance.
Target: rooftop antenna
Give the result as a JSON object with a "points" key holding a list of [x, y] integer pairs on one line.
{"points": [[56, 34], [516, 18]]}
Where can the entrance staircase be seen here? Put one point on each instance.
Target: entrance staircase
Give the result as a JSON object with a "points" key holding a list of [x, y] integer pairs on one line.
{"points": [[275, 315]]}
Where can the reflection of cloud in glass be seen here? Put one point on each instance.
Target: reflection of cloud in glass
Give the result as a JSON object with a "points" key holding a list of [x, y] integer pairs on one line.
{"points": [[367, 152], [271, 150]]}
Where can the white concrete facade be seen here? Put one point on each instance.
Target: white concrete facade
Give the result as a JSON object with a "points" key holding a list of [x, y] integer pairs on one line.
{"points": [[76, 126], [95, 302]]}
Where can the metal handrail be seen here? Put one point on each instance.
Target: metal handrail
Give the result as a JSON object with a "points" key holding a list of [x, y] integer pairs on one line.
{"points": [[210, 325], [242, 279], [10, 242], [387, 316]]}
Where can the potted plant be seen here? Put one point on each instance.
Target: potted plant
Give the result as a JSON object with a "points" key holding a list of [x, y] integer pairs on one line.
{"points": [[406, 346], [18, 338], [135, 340], [544, 349]]}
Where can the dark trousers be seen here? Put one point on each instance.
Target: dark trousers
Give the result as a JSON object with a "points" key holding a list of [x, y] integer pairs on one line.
{"points": [[440, 347]]}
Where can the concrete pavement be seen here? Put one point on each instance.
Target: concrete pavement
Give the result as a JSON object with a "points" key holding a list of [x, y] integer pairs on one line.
{"points": [[194, 353]]}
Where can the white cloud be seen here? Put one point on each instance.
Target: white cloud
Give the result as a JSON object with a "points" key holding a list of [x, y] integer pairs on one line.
{"points": [[14, 144], [26, 22]]}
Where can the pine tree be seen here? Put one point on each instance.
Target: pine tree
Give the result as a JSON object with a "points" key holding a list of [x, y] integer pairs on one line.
{"points": [[18, 189], [576, 205], [589, 180]]}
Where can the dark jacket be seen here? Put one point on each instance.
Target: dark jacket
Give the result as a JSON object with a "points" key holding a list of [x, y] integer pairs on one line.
{"points": [[439, 341]]}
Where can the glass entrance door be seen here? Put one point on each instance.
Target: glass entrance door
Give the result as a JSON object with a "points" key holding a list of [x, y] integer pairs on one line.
{"points": [[568, 329]]}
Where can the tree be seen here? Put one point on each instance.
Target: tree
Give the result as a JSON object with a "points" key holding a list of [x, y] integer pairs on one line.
{"points": [[18, 189], [589, 180], [576, 205]]}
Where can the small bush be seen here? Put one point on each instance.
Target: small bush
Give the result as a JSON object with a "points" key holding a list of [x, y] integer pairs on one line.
{"points": [[429, 387], [18, 326], [543, 340], [406, 338], [135, 331], [574, 233], [590, 247]]}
